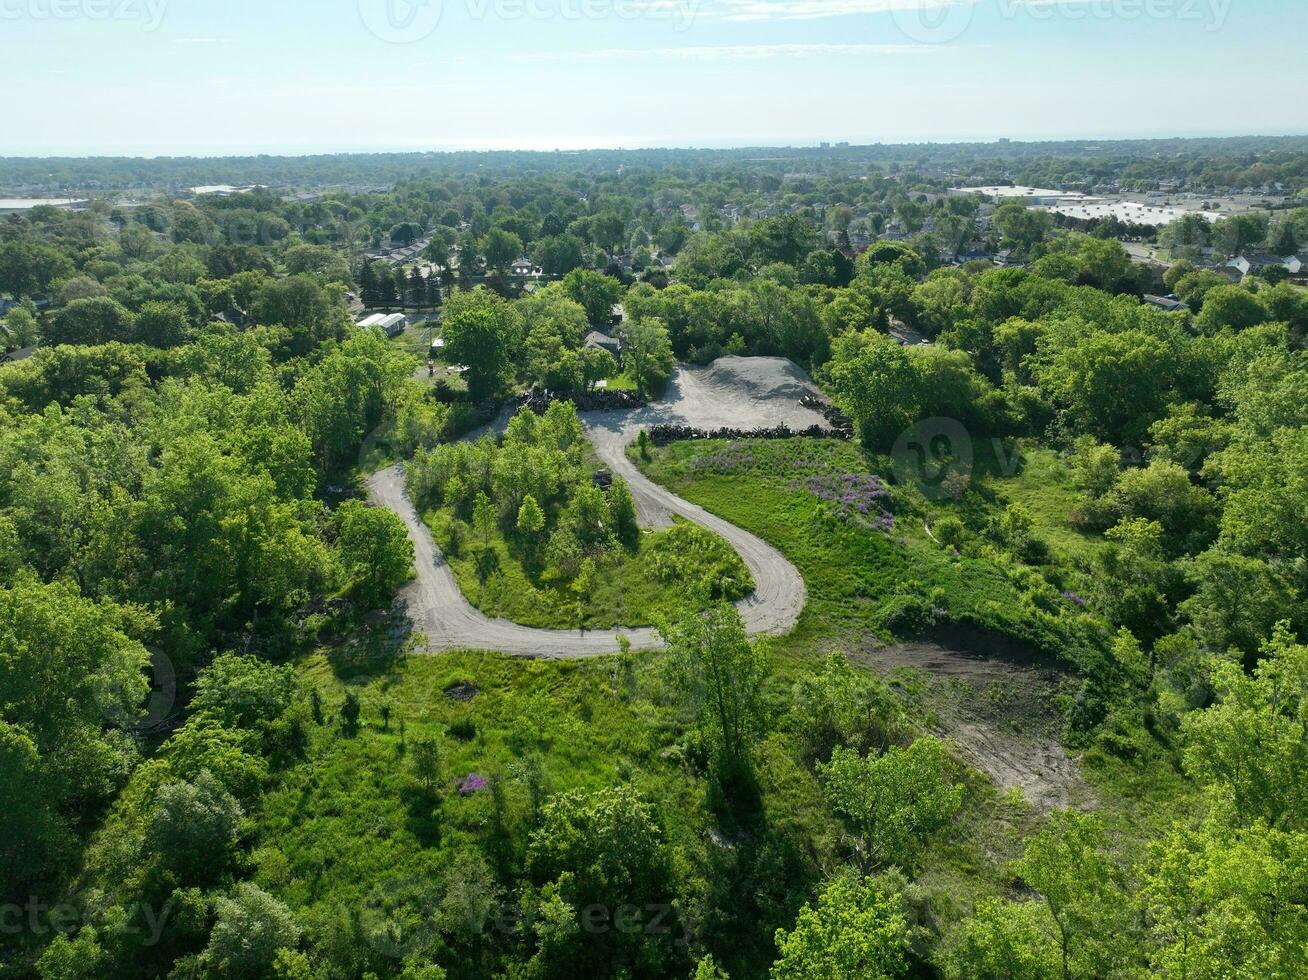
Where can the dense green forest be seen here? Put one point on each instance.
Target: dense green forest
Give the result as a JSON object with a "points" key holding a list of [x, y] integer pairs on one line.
{"points": [[224, 752]]}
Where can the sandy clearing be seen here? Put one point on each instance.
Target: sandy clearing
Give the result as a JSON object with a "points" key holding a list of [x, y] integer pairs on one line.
{"points": [[734, 392], [1007, 726]]}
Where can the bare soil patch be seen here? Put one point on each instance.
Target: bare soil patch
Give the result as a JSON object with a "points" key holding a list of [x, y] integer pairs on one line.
{"points": [[998, 700]]}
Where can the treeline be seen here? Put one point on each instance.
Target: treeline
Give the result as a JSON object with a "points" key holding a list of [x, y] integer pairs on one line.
{"points": [[1231, 161]]}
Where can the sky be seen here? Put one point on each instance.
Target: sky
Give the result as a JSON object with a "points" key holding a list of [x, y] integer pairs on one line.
{"points": [[221, 77]]}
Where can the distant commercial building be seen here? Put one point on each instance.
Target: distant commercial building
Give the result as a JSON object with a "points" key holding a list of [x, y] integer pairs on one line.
{"points": [[20, 205], [1027, 195], [223, 190], [1128, 212]]}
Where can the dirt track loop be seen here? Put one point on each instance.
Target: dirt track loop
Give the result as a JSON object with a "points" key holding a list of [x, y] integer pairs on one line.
{"points": [[733, 391]]}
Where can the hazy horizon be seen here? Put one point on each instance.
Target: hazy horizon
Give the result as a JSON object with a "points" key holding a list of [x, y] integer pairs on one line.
{"points": [[793, 144], [158, 77]]}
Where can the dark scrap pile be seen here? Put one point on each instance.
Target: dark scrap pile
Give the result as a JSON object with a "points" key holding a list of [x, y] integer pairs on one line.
{"points": [[600, 400], [661, 435], [837, 419]]}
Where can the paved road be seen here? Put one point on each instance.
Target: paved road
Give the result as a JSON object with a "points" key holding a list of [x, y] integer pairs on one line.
{"points": [[737, 392]]}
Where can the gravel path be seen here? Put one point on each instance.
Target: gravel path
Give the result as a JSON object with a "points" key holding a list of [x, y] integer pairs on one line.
{"points": [[734, 391]]}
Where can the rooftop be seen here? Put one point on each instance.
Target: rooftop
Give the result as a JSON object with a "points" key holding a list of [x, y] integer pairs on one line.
{"points": [[27, 203]]}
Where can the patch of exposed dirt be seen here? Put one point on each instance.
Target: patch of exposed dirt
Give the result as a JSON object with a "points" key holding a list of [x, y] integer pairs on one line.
{"points": [[996, 698], [462, 691]]}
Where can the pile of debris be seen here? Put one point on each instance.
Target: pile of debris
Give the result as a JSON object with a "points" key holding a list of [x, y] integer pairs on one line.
{"points": [[600, 400], [661, 435], [837, 419]]}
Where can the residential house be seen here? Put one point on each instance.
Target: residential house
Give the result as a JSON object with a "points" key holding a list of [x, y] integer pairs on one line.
{"points": [[1168, 304], [603, 341], [1255, 263]]}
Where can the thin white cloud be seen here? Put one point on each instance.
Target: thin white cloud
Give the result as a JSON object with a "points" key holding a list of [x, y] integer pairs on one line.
{"points": [[733, 52], [767, 10], [202, 40]]}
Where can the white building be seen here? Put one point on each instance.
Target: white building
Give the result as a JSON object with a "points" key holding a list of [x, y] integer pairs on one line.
{"points": [[391, 324], [19, 205]]}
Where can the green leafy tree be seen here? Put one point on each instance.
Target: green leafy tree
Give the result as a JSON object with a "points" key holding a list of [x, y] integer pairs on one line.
{"points": [[1230, 306], [251, 928], [95, 320], [893, 801], [194, 828], [68, 668], [501, 248], [1022, 227], [311, 311], [375, 551], [647, 355], [1066, 864], [1252, 745], [29, 268], [1218, 901], [857, 929], [482, 332], [244, 691], [20, 328], [425, 762], [485, 518], [596, 293], [1003, 941], [622, 514], [846, 706], [873, 382], [722, 676], [350, 710], [162, 324], [531, 519], [602, 854]]}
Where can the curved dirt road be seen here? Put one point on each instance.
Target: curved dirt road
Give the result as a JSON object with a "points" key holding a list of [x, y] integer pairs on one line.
{"points": [[736, 392]]}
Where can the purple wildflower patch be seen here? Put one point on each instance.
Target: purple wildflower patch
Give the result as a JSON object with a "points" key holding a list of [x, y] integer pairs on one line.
{"points": [[1079, 601], [728, 461], [857, 498], [472, 784]]}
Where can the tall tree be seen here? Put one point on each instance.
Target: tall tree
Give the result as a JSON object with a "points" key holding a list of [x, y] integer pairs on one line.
{"points": [[722, 675], [482, 332]]}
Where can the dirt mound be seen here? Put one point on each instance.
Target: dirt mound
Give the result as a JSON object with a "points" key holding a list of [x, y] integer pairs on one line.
{"points": [[759, 378]]}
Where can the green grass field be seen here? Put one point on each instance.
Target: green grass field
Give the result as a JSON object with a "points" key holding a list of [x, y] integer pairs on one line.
{"points": [[868, 585]]}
